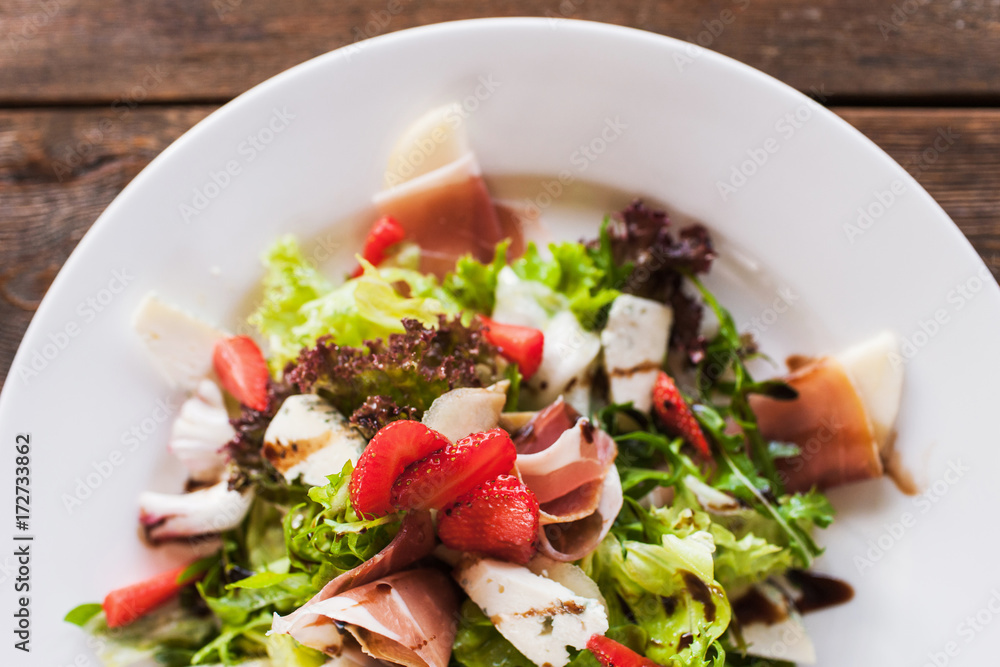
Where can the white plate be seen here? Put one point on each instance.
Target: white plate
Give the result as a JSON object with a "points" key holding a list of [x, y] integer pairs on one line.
{"points": [[675, 122]]}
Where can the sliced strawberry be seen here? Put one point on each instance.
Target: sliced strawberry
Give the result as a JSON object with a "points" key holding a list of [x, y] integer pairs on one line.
{"points": [[676, 416], [613, 654], [445, 475], [125, 605], [385, 233], [521, 345], [395, 446], [499, 519], [241, 368]]}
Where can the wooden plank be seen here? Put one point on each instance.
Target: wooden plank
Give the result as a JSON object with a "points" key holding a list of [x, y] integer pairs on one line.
{"points": [[54, 51], [963, 176], [60, 168]]}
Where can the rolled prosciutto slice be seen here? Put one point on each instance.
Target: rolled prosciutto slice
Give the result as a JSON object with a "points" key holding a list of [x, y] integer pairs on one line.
{"points": [[437, 193], [843, 418], [571, 540], [580, 455], [407, 618], [569, 465], [315, 624]]}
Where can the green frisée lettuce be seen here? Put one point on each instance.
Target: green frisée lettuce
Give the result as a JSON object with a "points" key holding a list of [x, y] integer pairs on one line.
{"points": [[569, 277], [668, 590], [326, 537], [300, 304], [385, 345]]}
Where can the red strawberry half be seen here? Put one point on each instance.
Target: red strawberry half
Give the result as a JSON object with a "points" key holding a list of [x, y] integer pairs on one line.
{"points": [[385, 233], [498, 519], [445, 475], [394, 447], [242, 371], [521, 345], [669, 406], [612, 654], [125, 605]]}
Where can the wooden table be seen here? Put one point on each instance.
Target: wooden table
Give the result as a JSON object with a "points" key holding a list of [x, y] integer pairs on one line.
{"points": [[92, 90]]}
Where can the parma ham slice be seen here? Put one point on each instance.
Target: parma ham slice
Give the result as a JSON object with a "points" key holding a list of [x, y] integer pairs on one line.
{"points": [[407, 618], [400, 616], [435, 190], [569, 465], [828, 422], [572, 540]]}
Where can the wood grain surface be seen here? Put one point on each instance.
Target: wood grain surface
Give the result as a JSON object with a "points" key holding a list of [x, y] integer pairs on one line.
{"points": [[54, 51], [92, 90]]}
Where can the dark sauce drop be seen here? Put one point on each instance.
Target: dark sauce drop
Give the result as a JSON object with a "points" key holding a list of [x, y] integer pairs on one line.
{"points": [[700, 593], [818, 591], [669, 605], [814, 592], [755, 607]]}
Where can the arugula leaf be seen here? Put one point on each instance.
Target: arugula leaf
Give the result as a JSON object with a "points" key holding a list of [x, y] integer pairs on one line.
{"points": [[513, 374], [231, 644], [751, 477], [236, 605], [602, 252], [264, 579]]}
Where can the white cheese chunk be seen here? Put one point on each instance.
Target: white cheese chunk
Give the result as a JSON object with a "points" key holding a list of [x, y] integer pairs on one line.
{"points": [[537, 615], [635, 344], [308, 437], [181, 344], [876, 371], [568, 361], [569, 575]]}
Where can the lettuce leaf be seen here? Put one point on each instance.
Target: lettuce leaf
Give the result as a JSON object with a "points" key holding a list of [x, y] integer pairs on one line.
{"points": [[284, 651], [570, 272], [169, 636], [409, 369], [479, 644], [326, 537], [661, 589], [748, 560], [473, 285], [299, 304], [657, 571]]}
